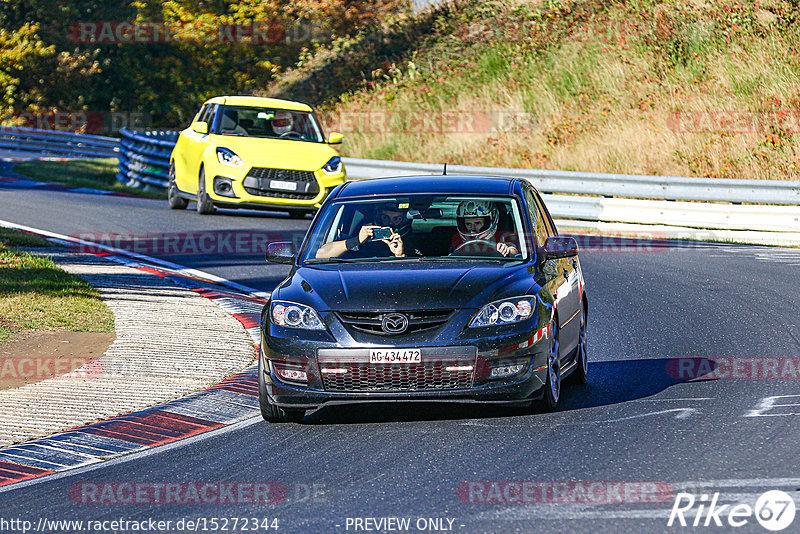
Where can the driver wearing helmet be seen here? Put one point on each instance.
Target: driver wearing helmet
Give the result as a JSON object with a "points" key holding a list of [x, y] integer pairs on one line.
{"points": [[282, 122], [363, 244], [477, 227]]}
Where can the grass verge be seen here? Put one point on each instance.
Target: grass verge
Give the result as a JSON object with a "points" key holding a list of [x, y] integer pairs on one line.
{"points": [[36, 295], [97, 173]]}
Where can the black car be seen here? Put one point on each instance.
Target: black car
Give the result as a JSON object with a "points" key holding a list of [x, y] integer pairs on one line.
{"points": [[425, 288]]}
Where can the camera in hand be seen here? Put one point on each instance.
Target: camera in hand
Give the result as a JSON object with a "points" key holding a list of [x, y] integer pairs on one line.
{"points": [[381, 233]]}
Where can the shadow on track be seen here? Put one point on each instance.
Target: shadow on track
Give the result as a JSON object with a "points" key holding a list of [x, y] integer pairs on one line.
{"points": [[610, 382]]}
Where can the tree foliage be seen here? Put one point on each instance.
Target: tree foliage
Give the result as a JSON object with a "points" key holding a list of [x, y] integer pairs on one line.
{"points": [[47, 64]]}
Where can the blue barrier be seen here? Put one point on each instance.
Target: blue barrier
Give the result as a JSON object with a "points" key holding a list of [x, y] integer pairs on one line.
{"points": [[144, 157], [54, 142]]}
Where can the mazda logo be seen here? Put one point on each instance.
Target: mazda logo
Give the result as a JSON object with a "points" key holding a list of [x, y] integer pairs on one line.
{"points": [[394, 323]]}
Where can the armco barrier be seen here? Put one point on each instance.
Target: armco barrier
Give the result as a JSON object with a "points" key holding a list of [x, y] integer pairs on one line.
{"points": [[610, 185], [752, 211], [144, 157], [57, 143]]}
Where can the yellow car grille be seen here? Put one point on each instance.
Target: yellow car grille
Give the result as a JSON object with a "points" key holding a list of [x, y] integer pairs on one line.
{"points": [[276, 183]]}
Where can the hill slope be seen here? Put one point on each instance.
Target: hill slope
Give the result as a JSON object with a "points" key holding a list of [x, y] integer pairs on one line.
{"points": [[682, 87]]}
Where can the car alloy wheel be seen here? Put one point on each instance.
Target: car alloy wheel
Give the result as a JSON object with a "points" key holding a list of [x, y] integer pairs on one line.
{"points": [[552, 388], [173, 197], [205, 206]]}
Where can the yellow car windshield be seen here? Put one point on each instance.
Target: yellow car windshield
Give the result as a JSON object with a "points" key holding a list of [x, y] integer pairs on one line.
{"points": [[245, 121]]}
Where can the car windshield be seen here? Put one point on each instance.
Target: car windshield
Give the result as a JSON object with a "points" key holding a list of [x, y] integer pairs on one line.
{"points": [[418, 227], [269, 123]]}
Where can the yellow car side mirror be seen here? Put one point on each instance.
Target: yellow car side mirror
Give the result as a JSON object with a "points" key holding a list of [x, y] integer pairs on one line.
{"points": [[335, 138], [200, 127]]}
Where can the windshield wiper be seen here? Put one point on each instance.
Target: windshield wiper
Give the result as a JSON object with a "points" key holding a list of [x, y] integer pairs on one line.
{"points": [[317, 261], [469, 258]]}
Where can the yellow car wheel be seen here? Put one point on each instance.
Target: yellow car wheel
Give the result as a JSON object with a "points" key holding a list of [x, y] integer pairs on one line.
{"points": [[205, 206], [176, 202]]}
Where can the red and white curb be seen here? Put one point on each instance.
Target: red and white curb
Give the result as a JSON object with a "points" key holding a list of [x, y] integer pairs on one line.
{"points": [[232, 401]]}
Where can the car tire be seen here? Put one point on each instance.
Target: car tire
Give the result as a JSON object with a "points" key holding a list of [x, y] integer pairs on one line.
{"points": [[270, 412], [176, 202], [552, 386], [581, 372], [205, 206]]}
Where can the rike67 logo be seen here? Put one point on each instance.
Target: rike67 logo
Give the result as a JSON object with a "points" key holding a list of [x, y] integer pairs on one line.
{"points": [[774, 510]]}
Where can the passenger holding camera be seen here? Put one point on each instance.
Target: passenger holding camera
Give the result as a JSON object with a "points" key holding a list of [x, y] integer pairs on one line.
{"points": [[394, 232]]}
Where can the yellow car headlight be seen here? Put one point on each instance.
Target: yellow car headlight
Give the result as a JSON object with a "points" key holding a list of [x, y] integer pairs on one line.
{"points": [[334, 166], [228, 157]]}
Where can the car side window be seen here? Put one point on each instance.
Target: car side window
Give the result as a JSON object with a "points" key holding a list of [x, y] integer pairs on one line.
{"points": [[211, 115], [537, 221], [551, 227], [201, 113], [205, 114]]}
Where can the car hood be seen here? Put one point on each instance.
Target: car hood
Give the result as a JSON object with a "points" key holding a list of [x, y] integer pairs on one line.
{"points": [[400, 286], [276, 153]]}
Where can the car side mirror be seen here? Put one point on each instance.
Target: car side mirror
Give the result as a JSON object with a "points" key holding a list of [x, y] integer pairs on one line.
{"points": [[283, 252], [559, 247], [200, 127], [335, 138]]}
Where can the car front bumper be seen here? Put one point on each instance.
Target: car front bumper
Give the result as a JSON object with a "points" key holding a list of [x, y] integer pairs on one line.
{"points": [[239, 197], [520, 388]]}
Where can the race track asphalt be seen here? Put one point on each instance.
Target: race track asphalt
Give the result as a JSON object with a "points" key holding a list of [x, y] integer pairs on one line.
{"points": [[634, 421]]}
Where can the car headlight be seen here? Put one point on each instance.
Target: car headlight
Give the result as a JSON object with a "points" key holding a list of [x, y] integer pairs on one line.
{"points": [[293, 315], [228, 157], [506, 311], [334, 166]]}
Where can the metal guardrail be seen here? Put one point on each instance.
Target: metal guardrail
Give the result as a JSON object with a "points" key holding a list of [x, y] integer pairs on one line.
{"points": [[144, 157], [747, 211], [755, 211], [610, 185], [58, 143]]}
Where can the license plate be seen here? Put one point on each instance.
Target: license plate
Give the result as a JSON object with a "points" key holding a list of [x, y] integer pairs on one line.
{"points": [[280, 184], [395, 356]]}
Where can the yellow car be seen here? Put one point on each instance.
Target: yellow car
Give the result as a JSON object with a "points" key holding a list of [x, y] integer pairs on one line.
{"points": [[255, 153]]}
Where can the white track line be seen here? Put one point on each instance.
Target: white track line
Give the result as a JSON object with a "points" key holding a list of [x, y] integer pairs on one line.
{"points": [[179, 269]]}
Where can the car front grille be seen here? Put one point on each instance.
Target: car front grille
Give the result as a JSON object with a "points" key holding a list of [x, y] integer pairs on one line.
{"points": [[372, 321], [434, 375], [258, 183]]}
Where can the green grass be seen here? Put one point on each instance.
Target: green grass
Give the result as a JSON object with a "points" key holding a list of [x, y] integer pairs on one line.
{"points": [[36, 295], [91, 173]]}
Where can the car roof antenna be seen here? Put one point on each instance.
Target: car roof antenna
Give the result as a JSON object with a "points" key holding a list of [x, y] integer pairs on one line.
{"points": [[444, 172]]}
